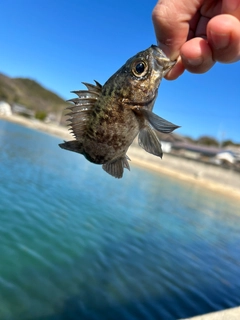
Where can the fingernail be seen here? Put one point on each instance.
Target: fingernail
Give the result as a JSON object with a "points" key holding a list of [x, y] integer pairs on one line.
{"points": [[219, 41], [166, 49]]}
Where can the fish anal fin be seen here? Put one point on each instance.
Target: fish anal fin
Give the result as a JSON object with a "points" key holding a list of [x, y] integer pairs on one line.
{"points": [[149, 141], [125, 162], [73, 145], [157, 122], [116, 167]]}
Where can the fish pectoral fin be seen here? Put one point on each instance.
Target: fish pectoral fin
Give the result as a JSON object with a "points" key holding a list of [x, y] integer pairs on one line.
{"points": [[116, 167], [157, 122], [73, 145], [149, 141]]}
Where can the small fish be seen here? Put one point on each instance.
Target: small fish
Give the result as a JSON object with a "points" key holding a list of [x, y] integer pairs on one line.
{"points": [[106, 119]]}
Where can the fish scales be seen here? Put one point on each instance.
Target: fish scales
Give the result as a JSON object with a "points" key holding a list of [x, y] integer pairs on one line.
{"points": [[106, 119]]}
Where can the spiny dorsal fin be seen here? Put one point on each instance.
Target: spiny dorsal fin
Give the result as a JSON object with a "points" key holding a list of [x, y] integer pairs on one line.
{"points": [[81, 110], [97, 87]]}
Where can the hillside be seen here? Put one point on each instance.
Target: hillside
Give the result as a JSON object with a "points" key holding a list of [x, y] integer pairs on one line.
{"points": [[30, 94]]}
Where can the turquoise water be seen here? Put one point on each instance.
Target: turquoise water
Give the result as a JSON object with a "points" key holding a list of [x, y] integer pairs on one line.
{"points": [[76, 243]]}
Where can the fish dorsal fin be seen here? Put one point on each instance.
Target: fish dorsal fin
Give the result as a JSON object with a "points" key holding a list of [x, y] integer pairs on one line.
{"points": [[148, 140], [157, 122], [93, 87], [116, 167], [82, 108]]}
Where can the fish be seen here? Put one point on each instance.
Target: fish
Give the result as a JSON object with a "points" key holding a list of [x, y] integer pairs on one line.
{"points": [[105, 120]]}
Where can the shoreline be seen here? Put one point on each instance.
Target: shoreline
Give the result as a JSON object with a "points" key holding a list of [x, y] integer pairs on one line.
{"points": [[191, 175], [49, 128], [217, 179]]}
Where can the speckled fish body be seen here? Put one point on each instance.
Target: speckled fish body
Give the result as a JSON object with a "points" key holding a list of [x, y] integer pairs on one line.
{"points": [[106, 119]]}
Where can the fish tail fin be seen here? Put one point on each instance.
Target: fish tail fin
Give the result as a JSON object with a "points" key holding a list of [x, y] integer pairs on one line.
{"points": [[116, 167], [73, 145]]}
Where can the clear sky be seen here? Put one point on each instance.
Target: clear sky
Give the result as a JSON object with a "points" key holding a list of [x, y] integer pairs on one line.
{"points": [[61, 43]]}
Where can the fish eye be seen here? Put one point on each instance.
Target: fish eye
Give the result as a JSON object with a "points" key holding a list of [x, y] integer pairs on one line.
{"points": [[139, 68]]}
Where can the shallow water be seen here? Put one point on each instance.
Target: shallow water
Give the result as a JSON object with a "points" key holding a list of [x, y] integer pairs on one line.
{"points": [[76, 243]]}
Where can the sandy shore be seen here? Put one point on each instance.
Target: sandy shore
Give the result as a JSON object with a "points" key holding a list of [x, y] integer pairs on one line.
{"points": [[218, 179], [204, 175], [53, 129]]}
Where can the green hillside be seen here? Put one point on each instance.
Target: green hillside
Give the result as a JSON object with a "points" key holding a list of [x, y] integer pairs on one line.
{"points": [[30, 94]]}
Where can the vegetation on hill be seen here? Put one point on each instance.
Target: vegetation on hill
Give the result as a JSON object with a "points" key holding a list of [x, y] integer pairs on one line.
{"points": [[30, 94], [212, 142]]}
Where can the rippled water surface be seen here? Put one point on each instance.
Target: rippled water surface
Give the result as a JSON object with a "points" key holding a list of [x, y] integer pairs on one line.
{"points": [[76, 243]]}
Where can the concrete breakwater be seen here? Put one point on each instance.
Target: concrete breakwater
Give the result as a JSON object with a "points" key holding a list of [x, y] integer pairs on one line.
{"points": [[228, 314]]}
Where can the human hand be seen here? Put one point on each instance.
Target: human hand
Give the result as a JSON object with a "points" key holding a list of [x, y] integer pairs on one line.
{"points": [[197, 33]]}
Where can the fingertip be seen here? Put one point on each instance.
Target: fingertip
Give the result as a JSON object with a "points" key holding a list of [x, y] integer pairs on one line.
{"points": [[176, 71], [196, 55], [223, 34]]}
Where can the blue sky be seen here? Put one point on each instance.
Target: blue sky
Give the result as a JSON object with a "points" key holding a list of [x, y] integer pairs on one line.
{"points": [[61, 43]]}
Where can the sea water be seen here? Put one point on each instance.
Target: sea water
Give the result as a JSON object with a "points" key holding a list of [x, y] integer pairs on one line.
{"points": [[75, 243]]}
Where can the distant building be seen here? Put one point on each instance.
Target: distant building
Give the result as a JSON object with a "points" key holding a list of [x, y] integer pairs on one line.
{"points": [[22, 110], [51, 117], [206, 154], [5, 109], [226, 156], [193, 151], [166, 146], [168, 140]]}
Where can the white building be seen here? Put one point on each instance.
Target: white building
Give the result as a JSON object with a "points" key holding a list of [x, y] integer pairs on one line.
{"points": [[5, 109], [166, 146], [226, 156]]}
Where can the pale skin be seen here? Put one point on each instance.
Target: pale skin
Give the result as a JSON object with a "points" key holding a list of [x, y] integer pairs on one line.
{"points": [[197, 33]]}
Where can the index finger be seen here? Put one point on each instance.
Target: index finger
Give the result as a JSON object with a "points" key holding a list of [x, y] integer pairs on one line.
{"points": [[171, 24], [231, 7]]}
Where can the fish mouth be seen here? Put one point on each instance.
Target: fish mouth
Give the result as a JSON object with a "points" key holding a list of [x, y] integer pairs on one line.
{"points": [[162, 60]]}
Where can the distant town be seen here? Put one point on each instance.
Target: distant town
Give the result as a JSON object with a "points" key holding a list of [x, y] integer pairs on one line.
{"points": [[27, 98], [206, 149]]}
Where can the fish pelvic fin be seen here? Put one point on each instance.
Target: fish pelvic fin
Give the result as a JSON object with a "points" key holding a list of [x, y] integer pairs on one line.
{"points": [[148, 140], [73, 145], [157, 122], [82, 108], [116, 167]]}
